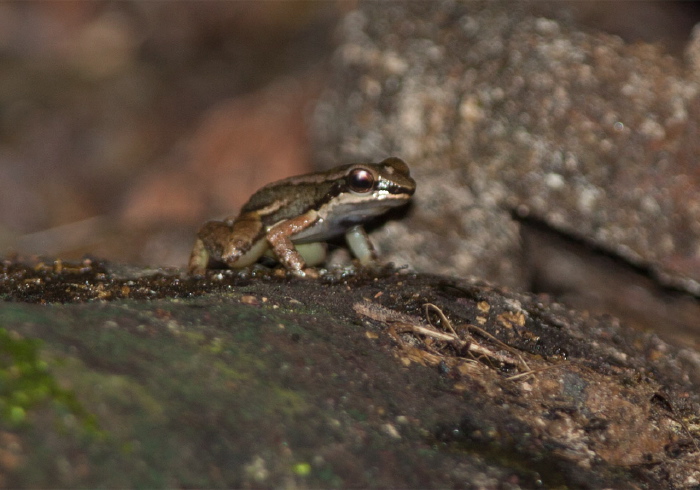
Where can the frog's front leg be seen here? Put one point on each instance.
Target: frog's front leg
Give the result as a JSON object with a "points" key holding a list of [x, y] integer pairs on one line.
{"points": [[357, 239], [279, 238]]}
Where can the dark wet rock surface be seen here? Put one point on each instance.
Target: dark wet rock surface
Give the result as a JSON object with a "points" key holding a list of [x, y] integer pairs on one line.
{"points": [[233, 380]]}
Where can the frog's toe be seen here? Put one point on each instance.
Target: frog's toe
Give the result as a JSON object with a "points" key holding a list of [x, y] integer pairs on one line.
{"points": [[306, 273], [311, 273]]}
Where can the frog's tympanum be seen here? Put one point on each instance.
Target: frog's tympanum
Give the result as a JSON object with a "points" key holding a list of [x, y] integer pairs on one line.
{"points": [[291, 218]]}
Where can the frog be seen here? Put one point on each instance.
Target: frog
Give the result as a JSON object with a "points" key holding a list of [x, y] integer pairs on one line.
{"points": [[291, 219]]}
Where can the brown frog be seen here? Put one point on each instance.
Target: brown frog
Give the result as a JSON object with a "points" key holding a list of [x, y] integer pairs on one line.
{"points": [[292, 217]]}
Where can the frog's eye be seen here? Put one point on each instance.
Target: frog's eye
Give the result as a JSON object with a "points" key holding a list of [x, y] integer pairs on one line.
{"points": [[360, 180]]}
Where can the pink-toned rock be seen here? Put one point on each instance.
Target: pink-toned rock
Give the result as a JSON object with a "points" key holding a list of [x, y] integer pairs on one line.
{"points": [[238, 147]]}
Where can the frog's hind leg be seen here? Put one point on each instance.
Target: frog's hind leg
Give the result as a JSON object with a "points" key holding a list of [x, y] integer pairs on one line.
{"points": [[234, 244], [249, 257], [208, 247], [199, 258], [245, 242]]}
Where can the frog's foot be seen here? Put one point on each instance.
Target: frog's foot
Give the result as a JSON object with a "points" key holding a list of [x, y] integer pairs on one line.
{"points": [[199, 258], [311, 273], [305, 273]]}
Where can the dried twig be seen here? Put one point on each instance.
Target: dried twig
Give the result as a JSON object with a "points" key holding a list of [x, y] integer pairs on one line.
{"points": [[401, 323], [481, 350]]}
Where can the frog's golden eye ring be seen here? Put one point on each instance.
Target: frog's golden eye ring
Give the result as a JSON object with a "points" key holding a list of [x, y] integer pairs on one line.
{"points": [[360, 180]]}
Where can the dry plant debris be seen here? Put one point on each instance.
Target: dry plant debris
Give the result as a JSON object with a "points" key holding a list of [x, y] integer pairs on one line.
{"points": [[462, 347]]}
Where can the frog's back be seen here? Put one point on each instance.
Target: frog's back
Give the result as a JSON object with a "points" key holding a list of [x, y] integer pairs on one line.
{"points": [[319, 191], [285, 200]]}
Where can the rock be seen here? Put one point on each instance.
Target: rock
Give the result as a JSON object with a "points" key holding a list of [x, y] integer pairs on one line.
{"points": [[500, 112], [254, 379]]}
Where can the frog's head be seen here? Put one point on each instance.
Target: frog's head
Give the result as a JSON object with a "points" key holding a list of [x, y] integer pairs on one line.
{"points": [[356, 193], [370, 189]]}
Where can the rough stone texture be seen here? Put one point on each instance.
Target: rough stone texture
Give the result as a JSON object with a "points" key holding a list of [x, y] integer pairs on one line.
{"points": [[240, 380], [498, 111]]}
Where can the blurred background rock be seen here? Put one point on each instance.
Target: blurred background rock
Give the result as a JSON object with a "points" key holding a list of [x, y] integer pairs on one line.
{"points": [[124, 125]]}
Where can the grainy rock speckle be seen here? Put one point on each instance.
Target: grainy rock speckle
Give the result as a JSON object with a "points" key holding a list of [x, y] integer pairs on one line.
{"points": [[497, 110]]}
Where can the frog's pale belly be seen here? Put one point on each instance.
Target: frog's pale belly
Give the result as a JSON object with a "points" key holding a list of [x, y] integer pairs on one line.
{"points": [[343, 216]]}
